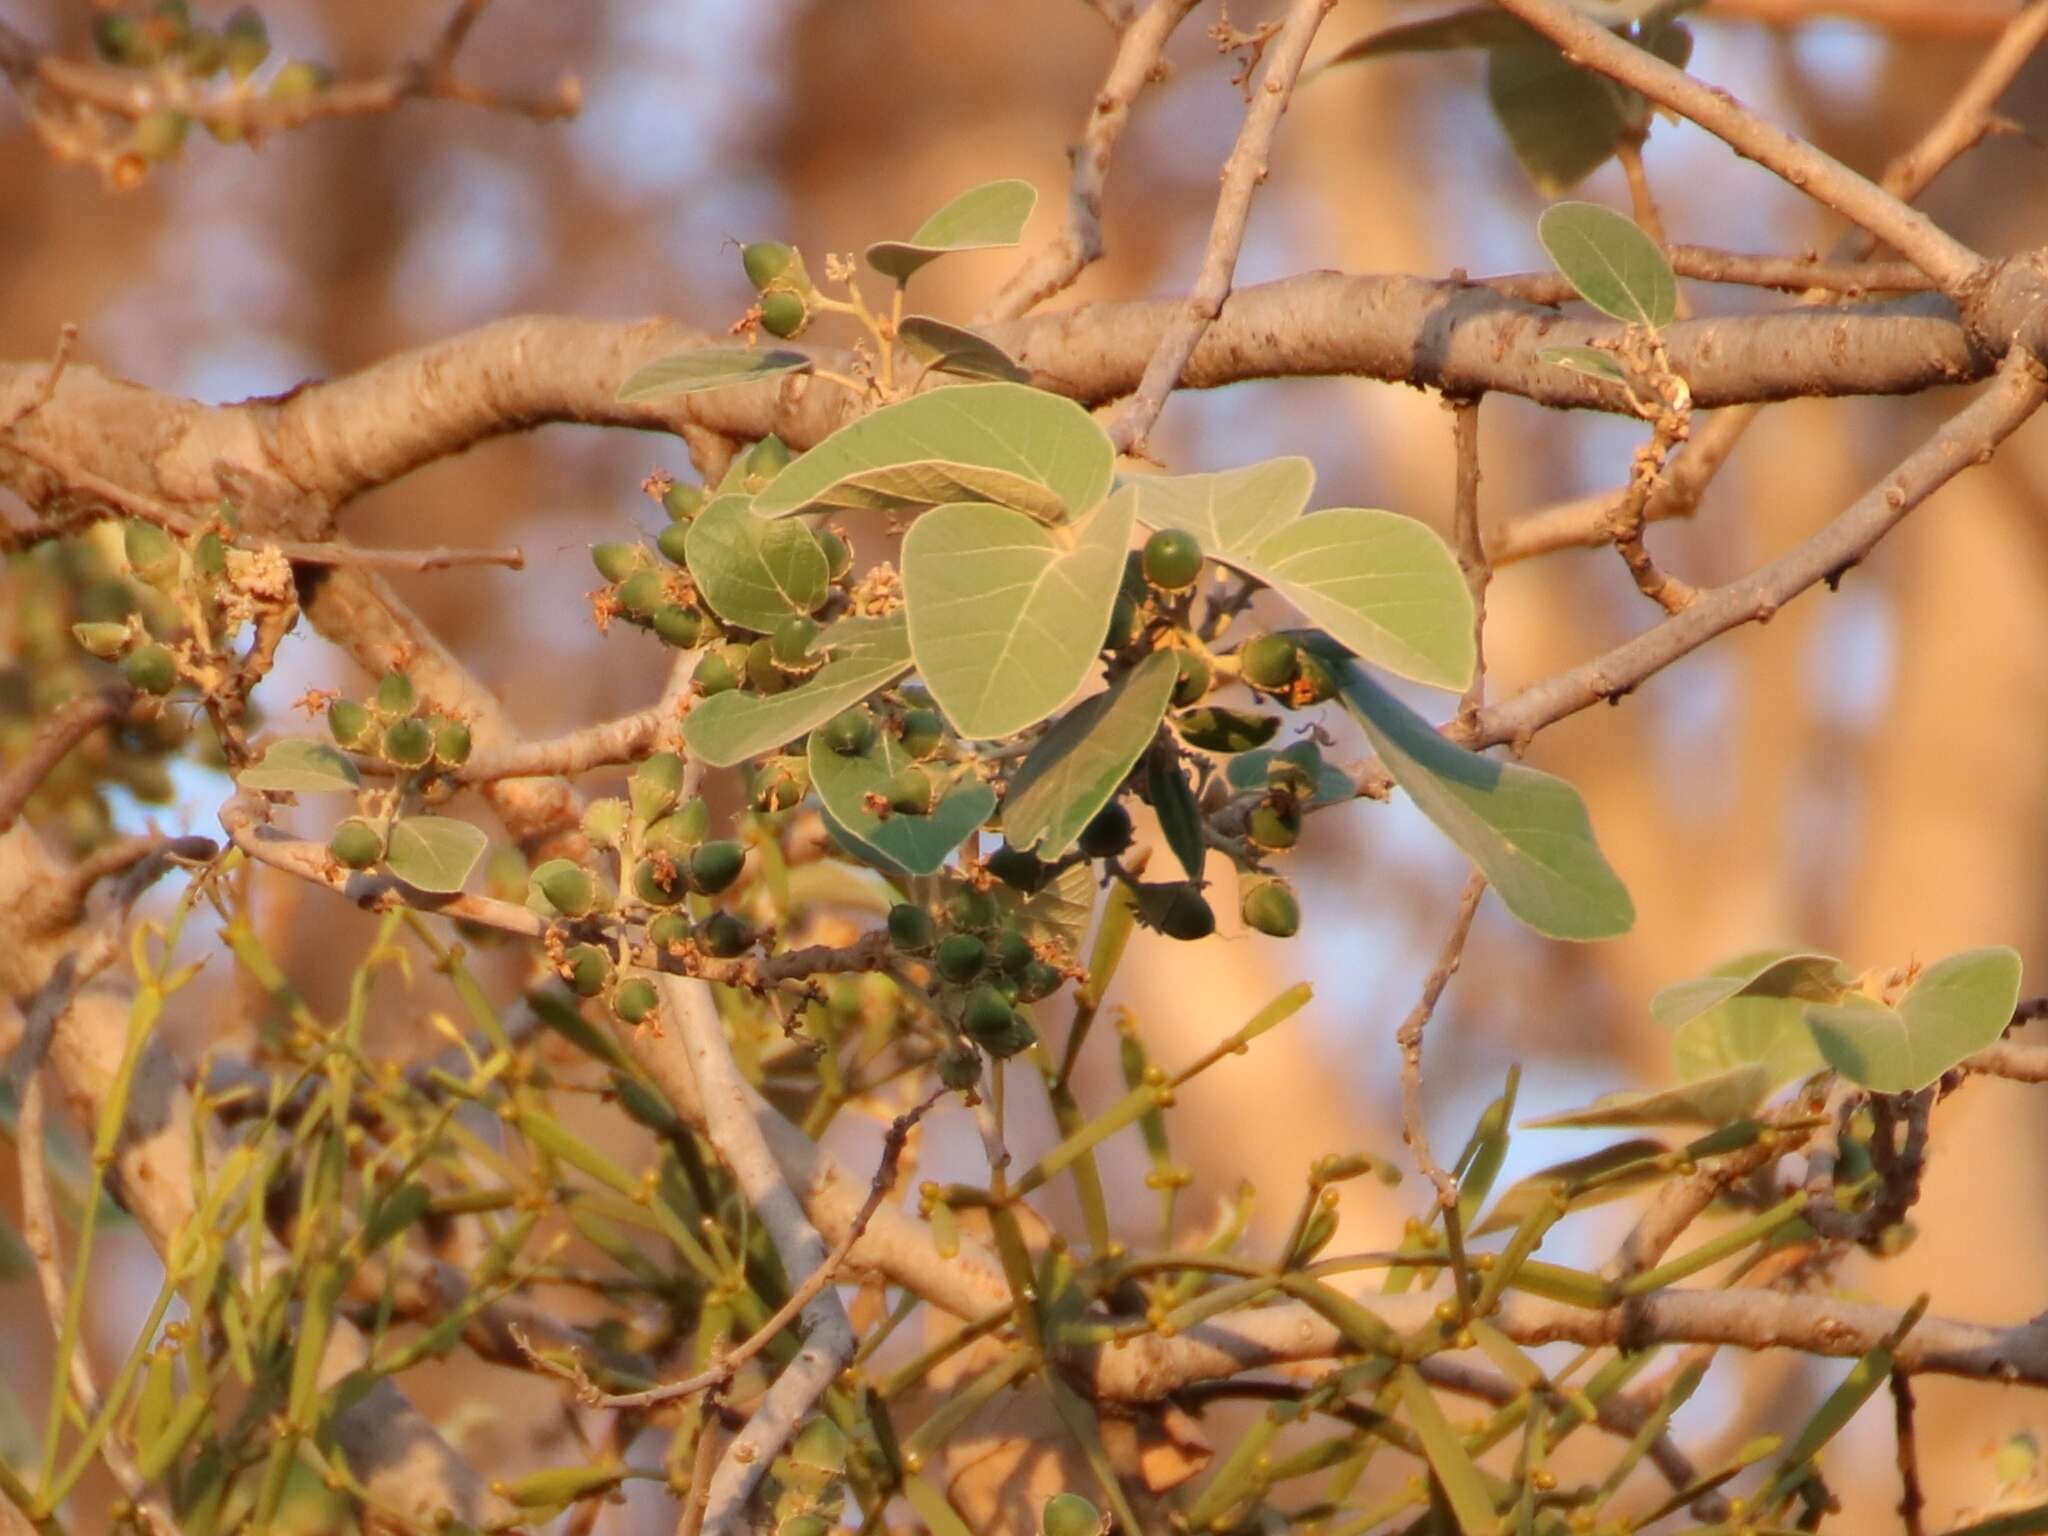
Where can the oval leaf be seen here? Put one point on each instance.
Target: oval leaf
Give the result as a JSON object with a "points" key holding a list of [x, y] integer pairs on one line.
{"points": [[1249, 774], [1527, 831], [1231, 511], [987, 216], [1007, 615], [911, 845], [1180, 814], [1957, 1007], [1562, 122], [1710, 1102], [949, 349], [1007, 444], [300, 765], [1615, 267], [702, 368], [434, 853], [753, 572], [1079, 763], [867, 654]]}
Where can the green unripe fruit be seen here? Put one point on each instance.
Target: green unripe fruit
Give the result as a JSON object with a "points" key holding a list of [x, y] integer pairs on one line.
{"points": [[714, 866], [1107, 834], [959, 957], [720, 671], [1124, 618], [1195, 677], [765, 261], [568, 886], [1009, 951], [784, 313], [1036, 980], [911, 928], [723, 936], [408, 743], [659, 882], [1269, 662], [298, 80], [151, 669], [781, 783], [105, 641], [1273, 828], [682, 502], [762, 672], [766, 459], [635, 999], [151, 554], [1317, 683], [673, 542], [851, 731], [1068, 1514], [655, 786], [119, 39], [838, 554], [210, 555], [1172, 559], [1292, 772], [640, 594], [395, 695], [452, 744], [203, 52], [1018, 868], [604, 821], [968, 907], [159, 135], [669, 930], [911, 792], [1271, 909], [679, 626], [246, 41], [1177, 910], [350, 724], [792, 641], [587, 969], [924, 732], [678, 833], [1001, 1034], [959, 1066], [356, 845], [223, 130]]}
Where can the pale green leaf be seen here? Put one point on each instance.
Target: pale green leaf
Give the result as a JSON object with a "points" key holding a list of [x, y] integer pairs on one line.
{"points": [[1711, 1102], [1957, 1007], [1785, 973], [1586, 360], [1008, 444], [866, 654], [1615, 267], [1060, 910], [434, 853], [1622, 1170], [1078, 764], [1562, 122], [702, 368], [950, 349], [1231, 511], [912, 845], [752, 571], [1527, 831], [300, 765], [1749, 1009], [1250, 773], [1464, 1487], [1006, 614], [986, 216]]}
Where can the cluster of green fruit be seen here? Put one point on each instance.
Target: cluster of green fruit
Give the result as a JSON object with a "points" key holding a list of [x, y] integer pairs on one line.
{"points": [[982, 967], [165, 38], [392, 727], [785, 288], [159, 562]]}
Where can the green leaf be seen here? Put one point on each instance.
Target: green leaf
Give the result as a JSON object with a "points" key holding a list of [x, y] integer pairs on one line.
{"points": [[1711, 1102], [1003, 443], [1622, 1169], [702, 368], [1562, 122], [1750, 1009], [867, 654], [1223, 731], [434, 853], [1006, 614], [1078, 764], [1384, 586], [1479, 26], [1180, 815], [300, 765], [1249, 774], [755, 572], [1060, 910], [911, 845], [1587, 360], [1615, 267], [1464, 1488], [949, 349], [1527, 831], [985, 217], [1957, 1007]]}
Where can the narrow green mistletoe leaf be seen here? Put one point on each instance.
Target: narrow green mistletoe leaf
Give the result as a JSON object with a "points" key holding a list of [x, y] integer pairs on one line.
{"points": [[1615, 267], [1527, 831], [1077, 765], [1463, 1485], [1958, 1006], [1621, 1169], [980, 219], [1008, 444], [1750, 1009], [950, 349], [1710, 1102], [1250, 773], [1173, 802], [299, 765], [434, 853], [1006, 614], [702, 368], [754, 572], [867, 654], [911, 845], [1587, 360]]}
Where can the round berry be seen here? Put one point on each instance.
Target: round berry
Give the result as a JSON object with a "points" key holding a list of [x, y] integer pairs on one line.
{"points": [[838, 554], [408, 743], [1195, 677], [1270, 908], [911, 928], [1273, 828], [1108, 833], [635, 999], [1009, 951], [715, 865], [1068, 1514], [959, 1066], [911, 792], [765, 261], [673, 542], [960, 957], [784, 312], [1018, 868], [669, 930], [682, 502], [356, 844], [1036, 980], [969, 907], [679, 626], [722, 935], [1172, 559], [924, 732], [567, 886], [587, 969], [349, 724], [851, 731], [792, 641], [1269, 662], [618, 559]]}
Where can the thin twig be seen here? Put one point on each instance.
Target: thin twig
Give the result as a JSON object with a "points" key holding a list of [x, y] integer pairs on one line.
{"points": [[1409, 1038], [1466, 536], [1912, 1500], [63, 729]]}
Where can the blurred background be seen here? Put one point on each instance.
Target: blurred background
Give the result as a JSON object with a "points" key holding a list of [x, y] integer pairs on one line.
{"points": [[1861, 776]]}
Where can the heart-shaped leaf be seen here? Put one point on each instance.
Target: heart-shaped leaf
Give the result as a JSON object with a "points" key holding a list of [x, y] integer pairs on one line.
{"points": [[985, 217], [434, 853], [754, 572], [1006, 614], [867, 654], [949, 349], [1957, 1007], [1749, 1009], [1615, 267], [1711, 1102], [911, 845], [702, 368], [1249, 774], [1384, 586], [1007, 444], [300, 765], [1078, 764], [1527, 831]]}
